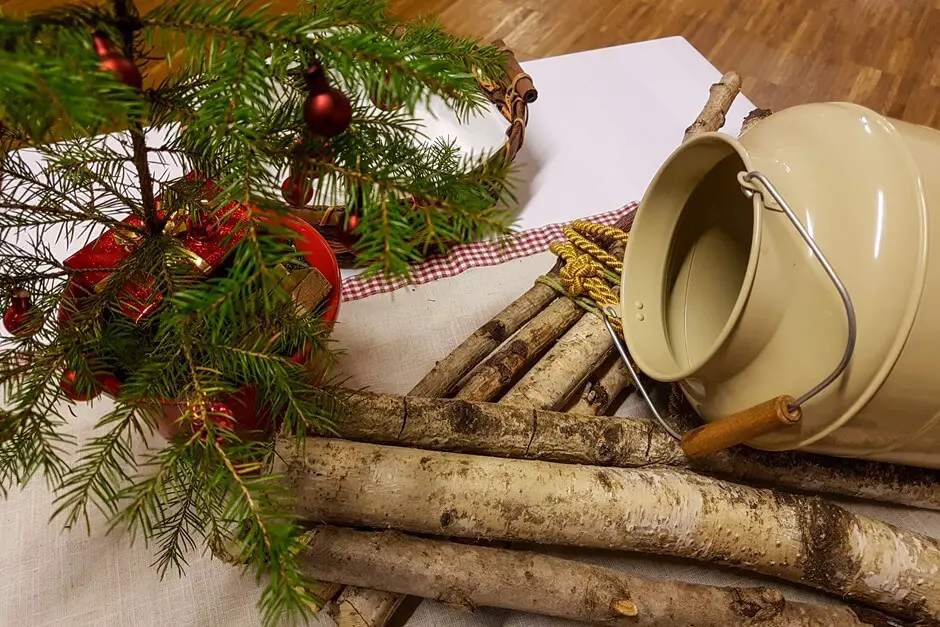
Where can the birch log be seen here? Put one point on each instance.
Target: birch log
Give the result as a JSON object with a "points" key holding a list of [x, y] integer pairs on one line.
{"points": [[565, 367], [654, 510], [502, 367], [720, 97], [490, 429], [362, 607], [446, 373], [602, 389], [475, 576]]}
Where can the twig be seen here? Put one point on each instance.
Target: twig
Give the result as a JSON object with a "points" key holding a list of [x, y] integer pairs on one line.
{"points": [[601, 392], [446, 373], [565, 367], [720, 97], [753, 118], [496, 373], [128, 23]]}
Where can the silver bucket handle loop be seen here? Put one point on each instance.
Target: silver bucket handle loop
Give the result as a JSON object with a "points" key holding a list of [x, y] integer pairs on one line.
{"points": [[778, 204], [746, 179]]}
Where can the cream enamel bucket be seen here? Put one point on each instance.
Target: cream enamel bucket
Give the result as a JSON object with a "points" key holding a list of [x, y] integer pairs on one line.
{"points": [[723, 294]]}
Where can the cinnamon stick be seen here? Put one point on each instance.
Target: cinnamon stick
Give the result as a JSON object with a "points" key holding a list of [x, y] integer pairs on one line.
{"points": [[523, 86]]}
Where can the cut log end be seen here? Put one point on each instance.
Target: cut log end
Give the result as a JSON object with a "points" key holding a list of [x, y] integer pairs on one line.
{"points": [[625, 607]]}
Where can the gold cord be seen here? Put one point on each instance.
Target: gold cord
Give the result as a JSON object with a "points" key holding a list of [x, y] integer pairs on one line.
{"points": [[591, 278], [590, 273]]}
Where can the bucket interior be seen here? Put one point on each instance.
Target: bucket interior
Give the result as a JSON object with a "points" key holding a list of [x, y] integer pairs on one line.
{"points": [[707, 263]]}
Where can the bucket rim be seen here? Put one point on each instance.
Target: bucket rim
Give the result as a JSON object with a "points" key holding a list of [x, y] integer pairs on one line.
{"points": [[653, 365]]}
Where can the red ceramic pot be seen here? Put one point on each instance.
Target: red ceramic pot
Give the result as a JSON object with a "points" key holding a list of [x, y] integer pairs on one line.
{"points": [[250, 416]]}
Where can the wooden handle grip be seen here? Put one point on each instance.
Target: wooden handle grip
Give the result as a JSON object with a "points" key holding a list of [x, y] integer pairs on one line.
{"points": [[740, 427]]}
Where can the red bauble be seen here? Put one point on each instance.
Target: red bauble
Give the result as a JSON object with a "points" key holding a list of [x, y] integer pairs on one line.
{"points": [[220, 415], [326, 110], [297, 190], [345, 234], [20, 316], [103, 382], [113, 61], [68, 382]]}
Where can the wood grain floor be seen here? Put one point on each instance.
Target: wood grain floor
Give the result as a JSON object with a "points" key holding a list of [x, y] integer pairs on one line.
{"points": [[884, 54], [881, 53]]}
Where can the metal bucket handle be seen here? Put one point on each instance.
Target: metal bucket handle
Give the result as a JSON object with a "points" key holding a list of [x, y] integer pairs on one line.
{"points": [[779, 412]]}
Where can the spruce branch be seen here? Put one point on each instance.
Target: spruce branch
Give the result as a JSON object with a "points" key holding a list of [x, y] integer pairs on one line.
{"points": [[105, 462]]}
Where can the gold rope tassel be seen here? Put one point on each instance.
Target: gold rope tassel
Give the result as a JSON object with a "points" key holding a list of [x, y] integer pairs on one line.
{"points": [[590, 273]]}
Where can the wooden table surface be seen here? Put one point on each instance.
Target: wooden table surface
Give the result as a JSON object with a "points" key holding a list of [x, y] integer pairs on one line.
{"points": [[884, 54]]}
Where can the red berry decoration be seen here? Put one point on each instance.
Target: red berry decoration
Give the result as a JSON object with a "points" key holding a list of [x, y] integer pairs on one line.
{"points": [[326, 110], [20, 316], [102, 382], [297, 190], [113, 61]]}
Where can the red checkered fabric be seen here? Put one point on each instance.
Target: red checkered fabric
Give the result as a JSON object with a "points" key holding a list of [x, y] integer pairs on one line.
{"points": [[473, 255]]}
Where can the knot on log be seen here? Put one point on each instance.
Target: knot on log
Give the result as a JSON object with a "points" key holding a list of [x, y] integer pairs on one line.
{"points": [[760, 604]]}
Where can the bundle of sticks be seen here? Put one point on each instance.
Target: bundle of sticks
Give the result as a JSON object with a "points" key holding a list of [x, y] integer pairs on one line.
{"points": [[410, 493]]}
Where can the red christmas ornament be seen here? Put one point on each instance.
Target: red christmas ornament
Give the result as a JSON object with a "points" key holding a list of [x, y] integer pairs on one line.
{"points": [[346, 234], [102, 382], [220, 415], [326, 110], [113, 61], [297, 189], [19, 318]]}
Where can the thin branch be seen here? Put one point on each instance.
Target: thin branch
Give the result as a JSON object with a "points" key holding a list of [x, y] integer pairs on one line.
{"points": [[130, 23]]}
